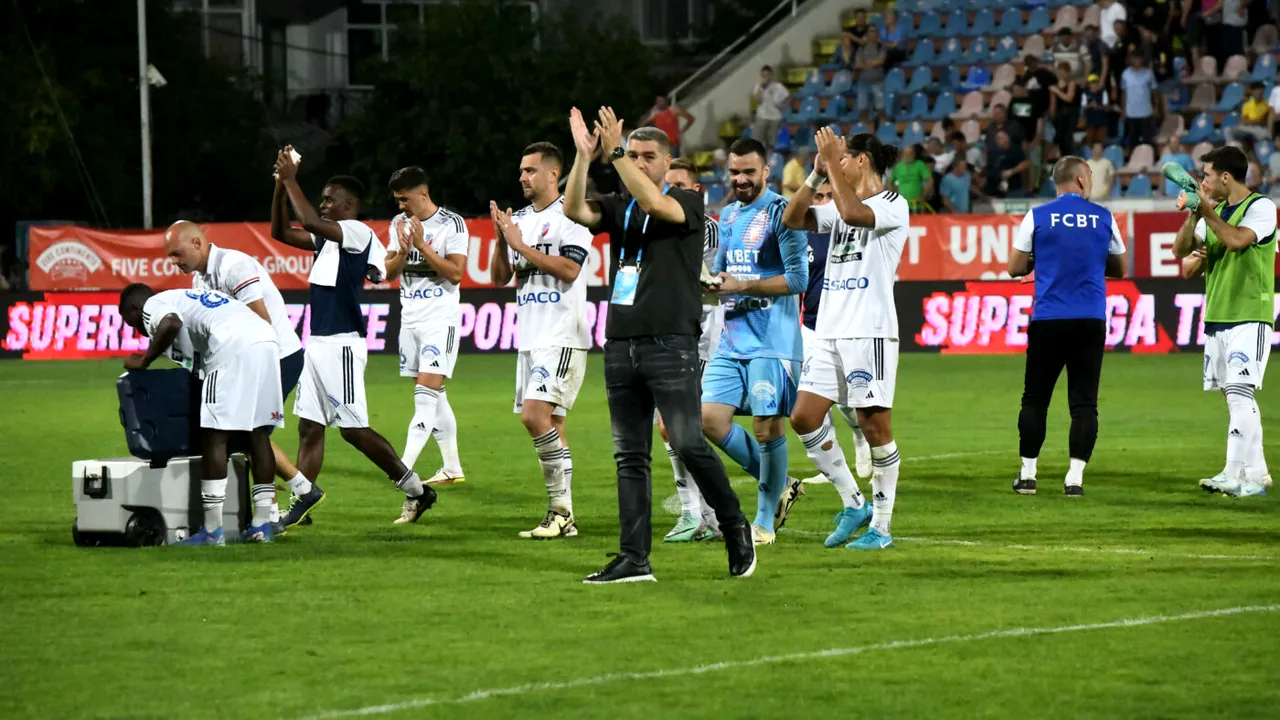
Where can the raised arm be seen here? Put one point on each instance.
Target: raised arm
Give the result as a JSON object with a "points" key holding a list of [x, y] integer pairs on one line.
{"points": [[844, 196], [799, 214], [648, 196], [1254, 227], [280, 229], [307, 216], [1185, 242], [576, 205]]}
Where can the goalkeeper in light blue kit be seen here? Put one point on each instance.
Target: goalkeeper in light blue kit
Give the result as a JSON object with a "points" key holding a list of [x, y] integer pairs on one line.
{"points": [[762, 267]]}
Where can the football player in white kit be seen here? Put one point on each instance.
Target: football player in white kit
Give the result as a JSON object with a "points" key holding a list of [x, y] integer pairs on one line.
{"points": [[545, 251], [855, 360], [238, 275], [429, 254], [238, 354], [697, 520]]}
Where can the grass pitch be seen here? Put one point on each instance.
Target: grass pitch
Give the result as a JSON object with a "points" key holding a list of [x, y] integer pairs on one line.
{"points": [[992, 605]]}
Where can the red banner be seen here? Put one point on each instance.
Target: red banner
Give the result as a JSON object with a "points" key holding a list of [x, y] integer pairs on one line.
{"points": [[66, 257], [962, 247], [1152, 247]]}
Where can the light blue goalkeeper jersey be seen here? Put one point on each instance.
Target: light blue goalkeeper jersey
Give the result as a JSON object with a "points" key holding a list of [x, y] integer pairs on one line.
{"points": [[754, 245]]}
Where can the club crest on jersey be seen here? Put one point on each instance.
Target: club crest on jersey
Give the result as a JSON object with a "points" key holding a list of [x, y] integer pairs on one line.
{"points": [[539, 374], [858, 379], [764, 390], [546, 228], [1237, 359]]}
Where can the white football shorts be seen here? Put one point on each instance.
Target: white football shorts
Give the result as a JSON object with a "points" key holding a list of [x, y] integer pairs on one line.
{"points": [[552, 375], [856, 372], [1237, 356], [331, 389], [431, 350], [243, 393]]}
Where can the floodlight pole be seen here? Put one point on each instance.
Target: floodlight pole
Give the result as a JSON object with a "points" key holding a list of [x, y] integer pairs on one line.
{"points": [[144, 102]]}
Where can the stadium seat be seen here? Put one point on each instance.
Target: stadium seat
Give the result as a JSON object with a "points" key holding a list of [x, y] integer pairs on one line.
{"points": [[1033, 46], [1201, 130], [1265, 40], [1235, 68], [949, 79], [776, 162], [922, 55], [956, 25], [1092, 16], [921, 80], [970, 107], [1004, 77], [834, 108], [1198, 152], [1139, 186], [1115, 154], [983, 24], [930, 25], [914, 134], [1000, 97], [1230, 121], [1005, 51], [1010, 23], [802, 136], [781, 143], [895, 82], [1202, 97], [1232, 98], [887, 133], [977, 52], [1178, 95], [918, 109], [841, 83], [950, 53], [809, 110], [972, 131], [976, 79], [1207, 71], [813, 85], [1038, 21], [1264, 149], [1141, 160], [1264, 69], [1174, 125], [1068, 18], [907, 6], [943, 106], [715, 194], [859, 129]]}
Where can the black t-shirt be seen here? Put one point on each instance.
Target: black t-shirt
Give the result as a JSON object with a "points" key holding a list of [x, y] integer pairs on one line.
{"points": [[668, 297], [1026, 113]]}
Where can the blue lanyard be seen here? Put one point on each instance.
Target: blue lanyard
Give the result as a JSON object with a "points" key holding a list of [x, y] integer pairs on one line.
{"points": [[626, 222]]}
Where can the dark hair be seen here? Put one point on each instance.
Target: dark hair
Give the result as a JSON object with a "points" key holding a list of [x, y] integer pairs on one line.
{"points": [[1256, 86], [957, 135], [354, 187], [767, 67], [882, 156], [547, 150], [685, 164], [1227, 159], [407, 178], [746, 146], [135, 293]]}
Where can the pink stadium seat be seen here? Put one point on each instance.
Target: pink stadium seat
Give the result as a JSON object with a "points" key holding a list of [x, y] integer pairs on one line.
{"points": [[1001, 98], [938, 132], [970, 107], [1034, 46], [972, 130], [1207, 72], [1234, 68], [1198, 151], [1174, 125], [1092, 16], [1068, 17], [1003, 78], [1203, 97], [1143, 157], [1266, 39]]}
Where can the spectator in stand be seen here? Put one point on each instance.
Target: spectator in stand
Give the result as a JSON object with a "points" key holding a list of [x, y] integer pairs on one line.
{"points": [[1197, 25], [1103, 173], [912, 177], [857, 34], [772, 98], [1097, 110], [1255, 116], [845, 52], [1025, 112], [942, 155], [1231, 39], [1254, 175], [1273, 175], [869, 64], [1066, 113], [972, 155], [1037, 79], [956, 197], [1175, 153], [1006, 167], [795, 172], [1067, 49], [1138, 85], [1150, 16], [891, 40], [1095, 52], [668, 118], [1000, 123], [1111, 12], [1274, 101]]}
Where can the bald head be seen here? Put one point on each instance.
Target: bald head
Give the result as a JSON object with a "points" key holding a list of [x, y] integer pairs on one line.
{"points": [[186, 246]]}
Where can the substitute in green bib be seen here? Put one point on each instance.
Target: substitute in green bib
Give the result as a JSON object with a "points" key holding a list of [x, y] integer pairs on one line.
{"points": [[1231, 239]]}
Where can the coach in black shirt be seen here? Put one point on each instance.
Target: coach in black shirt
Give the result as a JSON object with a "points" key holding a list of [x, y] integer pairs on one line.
{"points": [[651, 353]]}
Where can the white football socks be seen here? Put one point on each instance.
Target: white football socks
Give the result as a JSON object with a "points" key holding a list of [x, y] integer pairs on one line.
{"points": [[213, 493], [884, 484], [1244, 426], [262, 497], [568, 474], [551, 458], [410, 484], [825, 453], [299, 484], [446, 435], [1028, 468], [686, 488], [1075, 474], [424, 419]]}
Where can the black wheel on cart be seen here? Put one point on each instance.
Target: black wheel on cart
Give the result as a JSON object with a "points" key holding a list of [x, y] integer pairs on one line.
{"points": [[145, 529]]}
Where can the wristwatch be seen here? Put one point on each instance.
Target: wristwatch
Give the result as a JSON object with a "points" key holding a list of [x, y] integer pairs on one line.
{"points": [[617, 154]]}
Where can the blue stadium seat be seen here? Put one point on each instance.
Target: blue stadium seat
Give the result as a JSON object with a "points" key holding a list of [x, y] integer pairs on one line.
{"points": [[1264, 148], [813, 84], [919, 107], [914, 134], [809, 110], [921, 80], [1115, 154], [887, 133], [930, 25], [835, 107], [782, 142], [943, 106], [1230, 121], [803, 136], [1006, 50], [1201, 130], [1010, 23], [1139, 187], [950, 53], [1038, 21], [895, 81], [957, 24], [841, 82], [906, 6], [776, 161], [859, 129], [977, 52], [1179, 96], [1232, 98], [1264, 69], [922, 55], [983, 24], [715, 194], [977, 78]]}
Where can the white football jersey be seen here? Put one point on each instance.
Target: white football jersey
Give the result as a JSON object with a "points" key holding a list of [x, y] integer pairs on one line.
{"points": [[551, 313], [236, 274], [710, 247], [217, 325], [862, 263], [426, 299]]}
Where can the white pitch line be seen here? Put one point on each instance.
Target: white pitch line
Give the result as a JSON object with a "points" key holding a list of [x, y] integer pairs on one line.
{"points": [[826, 654], [1058, 548]]}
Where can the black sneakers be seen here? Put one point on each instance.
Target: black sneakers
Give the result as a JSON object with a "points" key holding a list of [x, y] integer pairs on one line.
{"points": [[741, 549], [621, 569], [1073, 490], [1024, 486], [415, 506]]}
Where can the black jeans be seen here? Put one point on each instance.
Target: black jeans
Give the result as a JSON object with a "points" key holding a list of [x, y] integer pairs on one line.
{"points": [[661, 371], [1052, 344]]}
